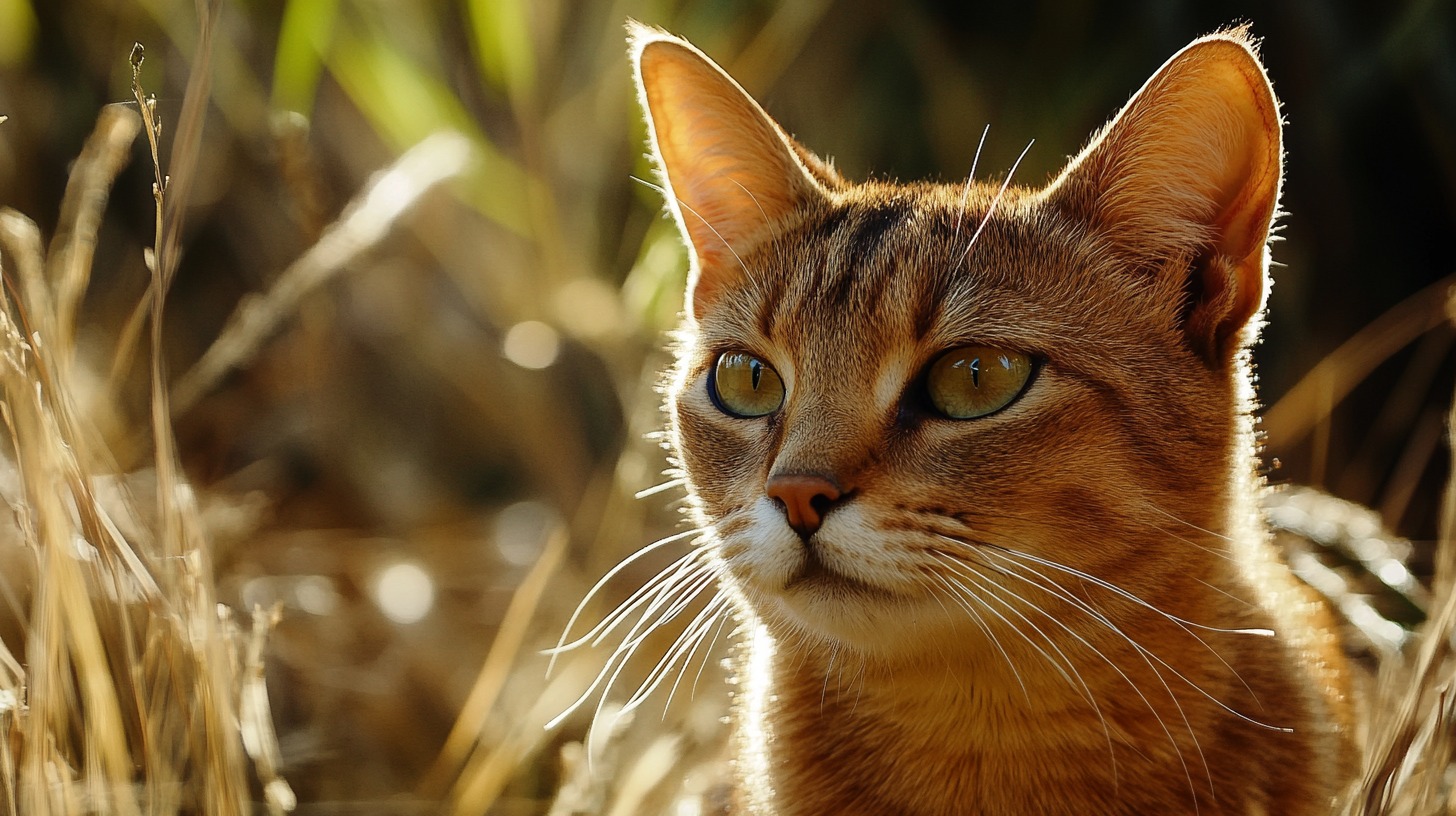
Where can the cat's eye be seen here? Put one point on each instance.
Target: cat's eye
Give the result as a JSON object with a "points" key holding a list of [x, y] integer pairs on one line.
{"points": [[744, 386], [974, 381]]}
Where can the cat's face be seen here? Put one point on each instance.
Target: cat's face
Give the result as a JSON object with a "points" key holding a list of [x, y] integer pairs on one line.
{"points": [[1086, 447], [900, 407]]}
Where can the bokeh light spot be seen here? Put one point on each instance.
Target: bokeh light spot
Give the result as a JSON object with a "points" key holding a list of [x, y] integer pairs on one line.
{"points": [[531, 344], [405, 593]]}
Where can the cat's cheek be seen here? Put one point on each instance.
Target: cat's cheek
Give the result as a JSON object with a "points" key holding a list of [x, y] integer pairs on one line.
{"points": [[852, 544]]}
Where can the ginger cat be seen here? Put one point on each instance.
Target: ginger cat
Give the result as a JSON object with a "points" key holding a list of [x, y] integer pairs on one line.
{"points": [[976, 465]]}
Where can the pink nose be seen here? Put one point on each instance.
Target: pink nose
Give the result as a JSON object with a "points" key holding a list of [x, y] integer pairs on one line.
{"points": [[806, 498]]}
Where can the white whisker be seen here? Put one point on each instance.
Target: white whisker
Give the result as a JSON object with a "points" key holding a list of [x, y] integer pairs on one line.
{"points": [[659, 488], [688, 641], [658, 583], [1185, 522], [663, 192], [624, 651], [966, 191], [828, 670], [1101, 617], [1117, 590], [708, 653], [997, 200], [668, 600], [989, 588], [581, 606], [1057, 590], [965, 597]]}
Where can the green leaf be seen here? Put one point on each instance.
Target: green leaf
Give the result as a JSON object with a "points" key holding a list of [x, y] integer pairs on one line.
{"points": [[304, 38], [405, 103], [17, 31], [501, 36]]}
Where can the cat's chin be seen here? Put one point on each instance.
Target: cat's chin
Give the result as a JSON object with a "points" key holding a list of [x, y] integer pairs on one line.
{"points": [[840, 613], [818, 603]]}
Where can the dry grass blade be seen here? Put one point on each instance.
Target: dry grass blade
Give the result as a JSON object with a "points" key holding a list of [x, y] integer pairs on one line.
{"points": [[365, 222], [68, 262], [187, 142], [496, 671], [1310, 401], [128, 698], [1410, 753]]}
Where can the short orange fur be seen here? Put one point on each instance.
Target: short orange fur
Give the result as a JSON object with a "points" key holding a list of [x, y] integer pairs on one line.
{"points": [[1069, 605]]}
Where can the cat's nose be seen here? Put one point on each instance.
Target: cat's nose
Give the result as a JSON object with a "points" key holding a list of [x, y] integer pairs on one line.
{"points": [[806, 498]]}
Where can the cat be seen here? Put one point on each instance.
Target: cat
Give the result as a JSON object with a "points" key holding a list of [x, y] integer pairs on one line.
{"points": [[985, 455]]}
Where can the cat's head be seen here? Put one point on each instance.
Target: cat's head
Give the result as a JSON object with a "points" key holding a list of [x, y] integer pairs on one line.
{"points": [[890, 397]]}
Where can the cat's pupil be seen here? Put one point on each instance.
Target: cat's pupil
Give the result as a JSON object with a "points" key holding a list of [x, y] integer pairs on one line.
{"points": [[756, 372], [975, 366]]}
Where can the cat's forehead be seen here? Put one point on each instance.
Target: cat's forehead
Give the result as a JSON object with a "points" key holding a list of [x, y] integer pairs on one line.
{"points": [[905, 263], [900, 273]]}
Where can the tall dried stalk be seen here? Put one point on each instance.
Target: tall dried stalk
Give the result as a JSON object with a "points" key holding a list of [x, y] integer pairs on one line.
{"points": [[137, 692]]}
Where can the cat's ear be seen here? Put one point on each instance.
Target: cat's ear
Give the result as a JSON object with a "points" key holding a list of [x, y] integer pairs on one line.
{"points": [[729, 172], [1187, 177]]}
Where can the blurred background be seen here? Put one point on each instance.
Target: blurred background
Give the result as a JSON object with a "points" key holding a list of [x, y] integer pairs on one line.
{"points": [[439, 446]]}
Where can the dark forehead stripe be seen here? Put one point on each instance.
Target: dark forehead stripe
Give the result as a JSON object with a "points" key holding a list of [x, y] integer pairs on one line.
{"points": [[869, 227], [935, 284], [832, 266], [855, 242], [931, 302]]}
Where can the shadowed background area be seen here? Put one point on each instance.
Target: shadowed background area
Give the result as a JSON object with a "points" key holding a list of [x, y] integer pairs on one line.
{"points": [[431, 448]]}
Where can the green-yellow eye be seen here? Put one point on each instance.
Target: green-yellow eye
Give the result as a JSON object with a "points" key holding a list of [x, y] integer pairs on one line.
{"points": [[973, 381], [744, 386]]}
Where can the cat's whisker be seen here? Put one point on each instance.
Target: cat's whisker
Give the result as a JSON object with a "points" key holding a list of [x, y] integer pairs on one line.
{"points": [[723, 619], [679, 594], [1062, 592], [984, 588], [991, 210], [687, 581], [1113, 588], [623, 653], [687, 644], [970, 177], [989, 588], [561, 644], [828, 670], [1213, 551], [767, 222], [1107, 732], [1178, 621], [1220, 536], [1148, 658], [1080, 639], [982, 595], [657, 583], [661, 487], [859, 684], [965, 598], [1245, 602]]}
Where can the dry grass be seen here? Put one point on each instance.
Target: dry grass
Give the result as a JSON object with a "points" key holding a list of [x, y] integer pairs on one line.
{"points": [[400, 396]]}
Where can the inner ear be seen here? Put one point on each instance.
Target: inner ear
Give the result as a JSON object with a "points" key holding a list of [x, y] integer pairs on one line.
{"points": [[732, 175], [1186, 179]]}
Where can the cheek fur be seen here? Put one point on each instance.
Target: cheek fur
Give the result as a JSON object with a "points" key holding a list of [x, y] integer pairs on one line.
{"points": [[1048, 479], [723, 456]]}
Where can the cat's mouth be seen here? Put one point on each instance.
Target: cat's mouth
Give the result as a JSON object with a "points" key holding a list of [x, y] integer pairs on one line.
{"points": [[814, 574]]}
